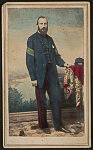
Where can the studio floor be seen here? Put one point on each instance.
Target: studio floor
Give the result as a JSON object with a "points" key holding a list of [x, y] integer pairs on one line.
{"points": [[26, 124]]}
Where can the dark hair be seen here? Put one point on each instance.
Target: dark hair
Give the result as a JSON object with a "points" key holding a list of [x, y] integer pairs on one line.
{"points": [[39, 18]]}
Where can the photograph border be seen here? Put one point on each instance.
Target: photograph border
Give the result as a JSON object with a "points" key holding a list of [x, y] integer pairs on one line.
{"points": [[44, 142]]}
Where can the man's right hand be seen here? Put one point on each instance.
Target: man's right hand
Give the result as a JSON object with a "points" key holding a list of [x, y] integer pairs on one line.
{"points": [[34, 83]]}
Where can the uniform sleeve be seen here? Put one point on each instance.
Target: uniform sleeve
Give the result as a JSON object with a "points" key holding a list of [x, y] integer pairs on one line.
{"points": [[30, 63], [59, 61]]}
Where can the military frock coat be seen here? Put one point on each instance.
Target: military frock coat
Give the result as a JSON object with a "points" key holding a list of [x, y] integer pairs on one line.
{"points": [[36, 61]]}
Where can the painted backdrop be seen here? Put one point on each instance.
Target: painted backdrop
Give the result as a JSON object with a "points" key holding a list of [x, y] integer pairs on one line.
{"points": [[66, 26]]}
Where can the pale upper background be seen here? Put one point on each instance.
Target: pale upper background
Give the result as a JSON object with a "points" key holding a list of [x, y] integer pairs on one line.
{"points": [[66, 26]]}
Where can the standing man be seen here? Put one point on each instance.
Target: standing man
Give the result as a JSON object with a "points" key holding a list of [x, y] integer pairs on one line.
{"points": [[41, 60]]}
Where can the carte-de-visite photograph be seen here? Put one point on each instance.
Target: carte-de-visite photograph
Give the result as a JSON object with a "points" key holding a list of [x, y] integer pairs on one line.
{"points": [[46, 75]]}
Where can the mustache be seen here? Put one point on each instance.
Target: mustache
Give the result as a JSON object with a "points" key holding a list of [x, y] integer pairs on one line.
{"points": [[43, 28]]}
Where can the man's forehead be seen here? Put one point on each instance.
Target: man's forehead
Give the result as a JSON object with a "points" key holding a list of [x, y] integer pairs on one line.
{"points": [[42, 20]]}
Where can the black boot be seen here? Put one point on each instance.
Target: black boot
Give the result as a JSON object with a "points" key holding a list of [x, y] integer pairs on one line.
{"points": [[63, 129], [47, 130]]}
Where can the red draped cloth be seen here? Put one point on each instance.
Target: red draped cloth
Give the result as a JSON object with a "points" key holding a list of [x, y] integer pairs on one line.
{"points": [[79, 72]]}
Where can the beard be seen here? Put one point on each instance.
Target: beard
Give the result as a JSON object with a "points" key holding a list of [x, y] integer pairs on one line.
{"points": [[43, 30]]}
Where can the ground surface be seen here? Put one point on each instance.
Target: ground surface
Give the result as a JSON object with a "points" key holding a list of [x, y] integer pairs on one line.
{"points": [[32, 129], [24, 125]]}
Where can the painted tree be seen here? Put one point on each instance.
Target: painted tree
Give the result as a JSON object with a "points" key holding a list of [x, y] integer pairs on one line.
{"points": [[15, 100]]}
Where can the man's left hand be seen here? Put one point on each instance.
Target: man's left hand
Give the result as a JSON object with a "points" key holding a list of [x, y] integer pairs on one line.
{"points": [[66, 65]]}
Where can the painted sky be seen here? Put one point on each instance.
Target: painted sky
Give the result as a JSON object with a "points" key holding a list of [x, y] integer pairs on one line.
{"points": [[66, 26]]}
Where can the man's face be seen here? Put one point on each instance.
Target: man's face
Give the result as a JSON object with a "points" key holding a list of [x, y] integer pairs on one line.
{"points": [[42, 25]]}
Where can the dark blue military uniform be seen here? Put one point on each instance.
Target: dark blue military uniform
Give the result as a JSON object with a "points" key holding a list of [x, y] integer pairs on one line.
{"points": [[41, 60]]}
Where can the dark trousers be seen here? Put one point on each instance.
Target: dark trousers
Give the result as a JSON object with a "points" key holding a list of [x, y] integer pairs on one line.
{"points": [[52, 87]]}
